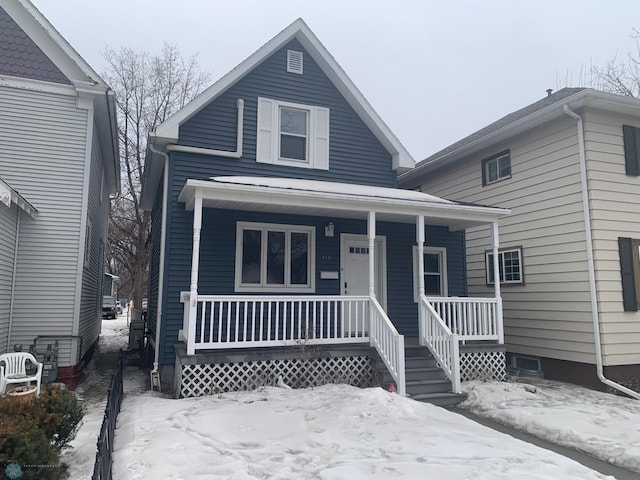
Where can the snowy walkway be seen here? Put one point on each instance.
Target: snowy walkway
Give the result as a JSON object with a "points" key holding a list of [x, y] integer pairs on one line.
{"points": [[340, 432]]}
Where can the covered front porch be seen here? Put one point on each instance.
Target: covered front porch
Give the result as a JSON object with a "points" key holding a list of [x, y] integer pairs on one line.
{"points": [[356, 315]]}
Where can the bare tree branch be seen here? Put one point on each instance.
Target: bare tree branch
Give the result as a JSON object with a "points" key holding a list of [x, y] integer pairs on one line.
{"points": [[149, 88]]}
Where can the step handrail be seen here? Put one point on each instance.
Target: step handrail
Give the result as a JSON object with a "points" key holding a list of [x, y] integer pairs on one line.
{"points": [[441, 342]]}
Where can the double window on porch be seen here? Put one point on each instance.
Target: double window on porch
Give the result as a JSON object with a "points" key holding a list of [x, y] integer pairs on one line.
{"points": [[274, 258]]}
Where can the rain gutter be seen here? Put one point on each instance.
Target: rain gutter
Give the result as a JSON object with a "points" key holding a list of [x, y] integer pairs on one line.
{"points": [[592, 275]]}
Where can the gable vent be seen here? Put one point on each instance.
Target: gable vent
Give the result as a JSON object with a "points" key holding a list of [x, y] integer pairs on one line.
{"points": [[294, 61]]}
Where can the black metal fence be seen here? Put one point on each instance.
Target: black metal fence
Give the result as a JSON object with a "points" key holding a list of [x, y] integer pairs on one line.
{"points": [[102, 467]]}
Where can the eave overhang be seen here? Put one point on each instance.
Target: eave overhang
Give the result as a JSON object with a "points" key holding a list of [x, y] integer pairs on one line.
{"points": [[328, 199]]}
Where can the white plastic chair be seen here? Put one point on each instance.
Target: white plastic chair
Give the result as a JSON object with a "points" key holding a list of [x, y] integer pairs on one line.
{"points": [[13, 369]]}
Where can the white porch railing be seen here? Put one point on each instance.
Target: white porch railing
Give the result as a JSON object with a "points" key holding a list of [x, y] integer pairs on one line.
{"points": [[443, 344], [471, 318], [243, 321], [389, 344]]}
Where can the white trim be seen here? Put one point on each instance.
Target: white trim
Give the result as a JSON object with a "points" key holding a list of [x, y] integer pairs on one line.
{"points": [[169, 129], [380, 260], [263, 286], [444, 281], [37, 85]]}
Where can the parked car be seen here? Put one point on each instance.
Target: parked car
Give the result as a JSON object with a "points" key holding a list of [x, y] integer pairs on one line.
{"points": [[109, 309]]}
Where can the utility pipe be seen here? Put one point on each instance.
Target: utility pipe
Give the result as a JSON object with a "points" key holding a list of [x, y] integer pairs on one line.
{"points": [[165, 189], [13, 276], [592, 275], [218, 153]]}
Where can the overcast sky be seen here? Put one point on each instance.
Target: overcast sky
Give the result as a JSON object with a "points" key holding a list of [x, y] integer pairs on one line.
{"points": [[435, 71]]}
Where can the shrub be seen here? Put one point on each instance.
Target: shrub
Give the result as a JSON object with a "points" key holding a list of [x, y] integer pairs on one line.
{"points": [[32, 434], [63, 416]]}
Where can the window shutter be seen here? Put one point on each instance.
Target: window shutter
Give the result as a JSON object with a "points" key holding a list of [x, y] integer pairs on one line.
{"points": [[321, 139], [630, 137], [625, 247], [265, 149]]}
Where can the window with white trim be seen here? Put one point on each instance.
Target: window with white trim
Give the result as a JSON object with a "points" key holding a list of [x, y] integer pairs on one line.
{"points": [[435, 272], [273, 257], [509, 266], [496, 168], [292, 134]]}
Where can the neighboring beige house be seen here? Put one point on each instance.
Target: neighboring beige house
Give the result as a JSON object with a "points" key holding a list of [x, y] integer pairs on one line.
{"points": [[59, 159], [567, 166]]}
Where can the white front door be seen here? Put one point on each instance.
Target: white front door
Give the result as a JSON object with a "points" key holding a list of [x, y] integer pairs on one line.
{"points": [[354, 266]]}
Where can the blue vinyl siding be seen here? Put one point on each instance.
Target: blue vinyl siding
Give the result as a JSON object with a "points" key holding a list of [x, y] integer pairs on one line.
{"points": [[218, 253], [355, 155]]}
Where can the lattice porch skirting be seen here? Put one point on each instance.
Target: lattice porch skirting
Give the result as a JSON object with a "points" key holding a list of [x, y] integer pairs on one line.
{"points": [[205, 379], [483, 365]]}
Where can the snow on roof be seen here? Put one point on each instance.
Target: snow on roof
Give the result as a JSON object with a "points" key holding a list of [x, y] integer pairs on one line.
{"points": [[333, 187]]}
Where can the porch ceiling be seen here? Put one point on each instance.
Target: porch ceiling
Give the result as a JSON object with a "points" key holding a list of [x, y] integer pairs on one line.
{"points": [[330, 199]]}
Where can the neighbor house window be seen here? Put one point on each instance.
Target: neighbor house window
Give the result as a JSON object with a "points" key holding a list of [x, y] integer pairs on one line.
{"points": [[509, 266], [629, 251], [271, 257], [292, 134], [435, 272], [496, 168]]}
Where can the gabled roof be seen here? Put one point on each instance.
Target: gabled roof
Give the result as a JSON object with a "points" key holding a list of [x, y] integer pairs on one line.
{"points": [[518, 122], [84, 79], [167, 132]]}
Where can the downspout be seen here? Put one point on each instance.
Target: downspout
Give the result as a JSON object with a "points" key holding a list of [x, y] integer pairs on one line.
{"points": [[592, 275], [13, 279], [155, 374], [219, 153]]}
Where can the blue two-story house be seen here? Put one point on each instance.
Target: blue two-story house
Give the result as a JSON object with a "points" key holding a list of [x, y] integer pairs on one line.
{"points": [[281, 246]]}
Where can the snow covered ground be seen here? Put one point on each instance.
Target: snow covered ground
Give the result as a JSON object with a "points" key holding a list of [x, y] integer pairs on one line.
{"points": [[340, 432], [603, 425]]}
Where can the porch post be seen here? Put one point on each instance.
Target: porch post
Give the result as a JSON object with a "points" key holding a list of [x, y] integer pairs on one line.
{"points": [[420, 241], [420, 260], [496, 283], [371, 233], [195, 262]]}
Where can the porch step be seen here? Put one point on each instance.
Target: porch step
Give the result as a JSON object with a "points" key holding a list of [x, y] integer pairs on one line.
{"points": [[425, 381], [447, 399]]}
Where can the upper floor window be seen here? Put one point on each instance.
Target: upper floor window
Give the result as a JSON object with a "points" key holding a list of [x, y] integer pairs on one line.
{"points": [[292, 134], [509, 266], [496, 168]]}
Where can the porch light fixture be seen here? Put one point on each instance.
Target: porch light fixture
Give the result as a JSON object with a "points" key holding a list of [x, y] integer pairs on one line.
{"points": [[328, 229]]}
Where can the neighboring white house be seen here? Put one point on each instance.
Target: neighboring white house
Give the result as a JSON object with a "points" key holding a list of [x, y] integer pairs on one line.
{"points": [[567, 166], [58, 149]]}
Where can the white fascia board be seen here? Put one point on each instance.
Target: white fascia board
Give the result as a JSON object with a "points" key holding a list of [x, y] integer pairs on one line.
{"points": [[49, 40], [37, 85], [169, 129], [251, 194]]}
